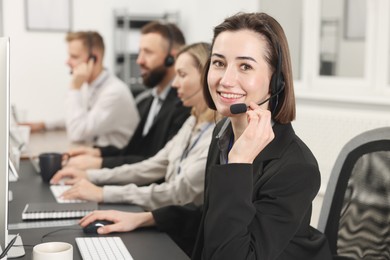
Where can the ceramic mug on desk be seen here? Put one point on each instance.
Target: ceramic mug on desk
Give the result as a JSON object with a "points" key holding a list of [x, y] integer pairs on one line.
{"points": [[53, 250], [50, 163]]}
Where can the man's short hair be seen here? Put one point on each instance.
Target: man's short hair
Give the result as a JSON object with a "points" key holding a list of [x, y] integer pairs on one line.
{"points": [[90, 39]]}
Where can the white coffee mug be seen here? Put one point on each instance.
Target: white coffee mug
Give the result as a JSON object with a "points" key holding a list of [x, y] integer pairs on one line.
{"points": [[53, 250]]}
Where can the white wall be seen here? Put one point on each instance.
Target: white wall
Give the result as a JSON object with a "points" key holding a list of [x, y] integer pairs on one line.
{"points": [[327, 126], [290, 17], [39, 74], [350, 52], [1, 18]]}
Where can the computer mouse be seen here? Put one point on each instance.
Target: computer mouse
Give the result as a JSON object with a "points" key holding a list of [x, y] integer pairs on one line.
{"points": [[92, 227]]}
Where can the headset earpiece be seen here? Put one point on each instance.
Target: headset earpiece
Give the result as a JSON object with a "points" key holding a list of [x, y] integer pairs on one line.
{"points": [[277, 83], [169, 59], [93, 57], [274, 83], [90, 46]]}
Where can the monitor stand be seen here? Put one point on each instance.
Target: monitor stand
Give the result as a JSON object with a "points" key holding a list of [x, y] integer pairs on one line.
{"points": [[17, 250]]}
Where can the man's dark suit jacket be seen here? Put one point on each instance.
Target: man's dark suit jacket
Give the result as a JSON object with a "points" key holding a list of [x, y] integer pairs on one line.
{"points": [[253, 211], [166, 124]]}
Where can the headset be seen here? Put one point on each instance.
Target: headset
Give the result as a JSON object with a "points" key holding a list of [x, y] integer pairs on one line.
{"points": [[277, 82], [276, 85], [169, 59], [90, 46]]}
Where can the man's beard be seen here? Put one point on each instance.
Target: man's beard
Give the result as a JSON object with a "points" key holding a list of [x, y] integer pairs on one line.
{"points": [[155, 76]]}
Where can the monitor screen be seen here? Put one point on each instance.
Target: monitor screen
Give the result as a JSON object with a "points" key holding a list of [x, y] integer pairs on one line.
{"points": [[4, 140]]}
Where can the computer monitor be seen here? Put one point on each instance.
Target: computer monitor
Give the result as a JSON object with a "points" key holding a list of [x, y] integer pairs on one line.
{"points": [[4, 150], [4, 139]]}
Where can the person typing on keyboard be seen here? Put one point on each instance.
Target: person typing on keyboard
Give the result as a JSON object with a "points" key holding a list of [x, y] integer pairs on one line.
{"points": [[261, 178], [181, 163]]}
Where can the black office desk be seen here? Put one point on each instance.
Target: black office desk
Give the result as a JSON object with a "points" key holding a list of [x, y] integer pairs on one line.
{"points": [[145, 243]]}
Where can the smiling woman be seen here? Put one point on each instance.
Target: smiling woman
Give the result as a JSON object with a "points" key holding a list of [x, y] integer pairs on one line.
{"points": [[261, 178], [237, 66], [270, 69]]}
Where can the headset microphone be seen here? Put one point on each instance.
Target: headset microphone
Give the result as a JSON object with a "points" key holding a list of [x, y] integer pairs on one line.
{"points": [[242, 107], [238, 108]]}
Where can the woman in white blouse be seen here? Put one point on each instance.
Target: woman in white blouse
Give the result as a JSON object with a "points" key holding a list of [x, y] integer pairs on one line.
{"points": [[181, 163]]}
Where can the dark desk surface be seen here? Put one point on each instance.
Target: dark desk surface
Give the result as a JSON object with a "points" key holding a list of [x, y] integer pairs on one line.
{"points": [[142, 244]]}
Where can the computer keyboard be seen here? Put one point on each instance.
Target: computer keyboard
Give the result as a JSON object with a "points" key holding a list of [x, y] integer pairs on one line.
{"points": [[96, 248], [43, 224], [57, 191]]}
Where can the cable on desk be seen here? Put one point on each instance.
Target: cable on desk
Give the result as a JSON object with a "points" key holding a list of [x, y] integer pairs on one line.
{"points": [[55, 231], [24, 245]]}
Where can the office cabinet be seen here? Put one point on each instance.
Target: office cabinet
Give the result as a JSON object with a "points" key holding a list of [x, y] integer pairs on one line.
{"points": [[127, 31]]}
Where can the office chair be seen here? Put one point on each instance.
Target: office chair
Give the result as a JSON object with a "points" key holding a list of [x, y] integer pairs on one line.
{"points": [[355, 215]]}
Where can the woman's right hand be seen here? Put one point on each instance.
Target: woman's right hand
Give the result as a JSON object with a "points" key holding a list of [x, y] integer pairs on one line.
{"points": [[123, 221], [257, 135]]}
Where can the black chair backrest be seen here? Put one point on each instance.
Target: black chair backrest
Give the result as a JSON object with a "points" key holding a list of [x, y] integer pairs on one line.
{"points": [[355, 215]]}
